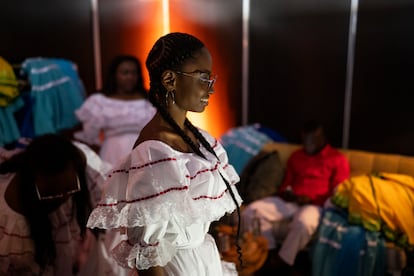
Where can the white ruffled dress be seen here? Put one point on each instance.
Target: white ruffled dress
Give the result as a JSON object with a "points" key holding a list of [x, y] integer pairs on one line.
{"points": [[121, 122], [166, 200], [16, 245]]}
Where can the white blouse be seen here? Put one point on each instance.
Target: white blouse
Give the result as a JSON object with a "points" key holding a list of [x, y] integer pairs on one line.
{"points": [[120, 121]]}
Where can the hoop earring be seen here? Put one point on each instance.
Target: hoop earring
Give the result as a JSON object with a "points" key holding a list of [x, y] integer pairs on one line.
{"points": [[172, 97]]}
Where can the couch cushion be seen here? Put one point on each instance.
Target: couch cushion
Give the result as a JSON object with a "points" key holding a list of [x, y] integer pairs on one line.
{"points": [[261, 177], [361, 162]]}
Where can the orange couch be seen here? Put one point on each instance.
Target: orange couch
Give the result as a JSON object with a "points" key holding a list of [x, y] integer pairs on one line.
{"points": [[363, 162]]}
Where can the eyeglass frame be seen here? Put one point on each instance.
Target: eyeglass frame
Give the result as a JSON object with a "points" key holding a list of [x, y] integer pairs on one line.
{"points": [[210, 82], [61, 195]]}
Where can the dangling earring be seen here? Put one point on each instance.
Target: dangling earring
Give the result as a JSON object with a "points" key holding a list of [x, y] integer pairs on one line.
{"points": [[172, 97]]}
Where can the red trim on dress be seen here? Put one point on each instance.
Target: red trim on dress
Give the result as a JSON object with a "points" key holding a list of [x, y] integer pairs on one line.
{"points": [[145, 197], [168, 190], [142, 166], [14, 235], [210, 197], [17, 254]]}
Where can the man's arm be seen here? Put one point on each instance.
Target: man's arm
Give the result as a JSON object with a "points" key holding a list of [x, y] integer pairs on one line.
{"points": [[288, 178], [341, 172], [285, 191]]}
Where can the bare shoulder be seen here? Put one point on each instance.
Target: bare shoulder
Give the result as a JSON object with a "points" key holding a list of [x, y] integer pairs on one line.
{"points": [[151, 131], [156, 131]]}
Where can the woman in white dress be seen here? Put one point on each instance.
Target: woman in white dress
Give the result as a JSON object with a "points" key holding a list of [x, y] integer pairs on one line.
{"points": [[46, 194], [112, 120], [177, 180]]}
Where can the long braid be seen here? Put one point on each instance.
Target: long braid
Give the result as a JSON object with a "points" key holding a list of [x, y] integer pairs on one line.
{"points": [[169, 53], [167, 117], [207, 146]]}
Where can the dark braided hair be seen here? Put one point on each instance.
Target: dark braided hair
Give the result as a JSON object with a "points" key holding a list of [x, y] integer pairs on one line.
{"points": [[48, 154], [169, 53]]}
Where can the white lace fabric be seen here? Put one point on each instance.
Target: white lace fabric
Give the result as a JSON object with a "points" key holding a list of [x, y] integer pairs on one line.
{"points": [[113, 116], [166, 199]]}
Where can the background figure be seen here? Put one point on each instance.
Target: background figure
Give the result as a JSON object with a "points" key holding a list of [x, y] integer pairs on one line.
{"points": [[113, 119], [47, 192], [312, 173], [177, 179]]}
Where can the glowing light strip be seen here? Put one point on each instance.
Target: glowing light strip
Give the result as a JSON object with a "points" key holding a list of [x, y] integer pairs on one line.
{"points": [[96, 44], [349, 72], [166, 16], [245, 62]]}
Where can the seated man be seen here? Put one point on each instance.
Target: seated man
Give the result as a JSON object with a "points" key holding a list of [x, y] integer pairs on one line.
{"points": [[312, 173]]}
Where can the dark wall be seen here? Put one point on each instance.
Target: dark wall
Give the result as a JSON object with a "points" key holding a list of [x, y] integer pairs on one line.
{"points": [[298, 55], [48, 28], [383, 91], [298, 70], [298, 65]]}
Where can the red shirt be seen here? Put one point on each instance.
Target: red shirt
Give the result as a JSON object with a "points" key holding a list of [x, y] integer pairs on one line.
{"points": [[315, 176]]}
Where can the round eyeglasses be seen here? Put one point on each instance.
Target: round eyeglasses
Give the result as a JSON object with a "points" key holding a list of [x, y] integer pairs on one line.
{"points": [[204, 77], [60, 195]]}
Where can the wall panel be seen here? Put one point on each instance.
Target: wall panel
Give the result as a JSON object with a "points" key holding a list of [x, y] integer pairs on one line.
{"points": [[48, 28], [382, 102], [297, 69]]}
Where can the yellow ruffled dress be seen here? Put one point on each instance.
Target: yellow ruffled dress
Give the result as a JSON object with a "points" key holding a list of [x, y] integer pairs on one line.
{"points": [[382, 202]]}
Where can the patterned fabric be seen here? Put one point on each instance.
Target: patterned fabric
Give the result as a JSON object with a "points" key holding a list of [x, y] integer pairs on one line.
{"points": [[315, 176], [121, 122], [55, 93], [167, 199], [380, 203], [242, 143], [345, 249]]}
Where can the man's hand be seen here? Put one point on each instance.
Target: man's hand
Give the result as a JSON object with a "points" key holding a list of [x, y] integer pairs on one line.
{"points": [[288, 196], [303, 200]]}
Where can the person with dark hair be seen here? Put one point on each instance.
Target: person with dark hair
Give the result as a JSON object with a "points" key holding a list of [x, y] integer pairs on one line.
{"points": [[177, 180], [47, 196], [113, 119], [311, 176]]}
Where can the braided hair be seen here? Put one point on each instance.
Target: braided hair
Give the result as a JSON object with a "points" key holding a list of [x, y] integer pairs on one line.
{"points": [[47, 154], [169, 53]]}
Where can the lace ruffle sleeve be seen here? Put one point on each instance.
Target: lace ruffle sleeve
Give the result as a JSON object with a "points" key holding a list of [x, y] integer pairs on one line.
{"points": [[90, 114], [160, 194], [157, 183]]}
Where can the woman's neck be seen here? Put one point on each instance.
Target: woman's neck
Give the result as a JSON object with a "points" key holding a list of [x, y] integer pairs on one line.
{"points": [[127, 96]]}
